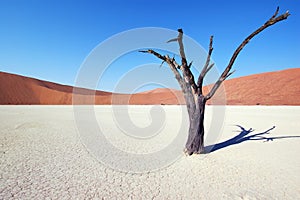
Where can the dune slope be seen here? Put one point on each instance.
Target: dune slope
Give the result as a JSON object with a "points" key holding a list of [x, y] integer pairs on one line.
{"points": [[272, 88]]}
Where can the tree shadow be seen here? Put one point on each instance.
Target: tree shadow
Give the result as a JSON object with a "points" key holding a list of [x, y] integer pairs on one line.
{"points": [[244, 136]]}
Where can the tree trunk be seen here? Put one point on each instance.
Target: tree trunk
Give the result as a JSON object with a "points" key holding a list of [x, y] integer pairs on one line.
{"points": [[195, 142]]}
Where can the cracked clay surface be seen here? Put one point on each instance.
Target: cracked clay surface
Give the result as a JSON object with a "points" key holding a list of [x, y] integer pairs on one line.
{"points": [[42, 157]]}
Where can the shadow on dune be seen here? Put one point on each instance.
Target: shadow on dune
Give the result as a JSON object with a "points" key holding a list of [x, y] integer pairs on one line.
{"points": [[243, 136]]}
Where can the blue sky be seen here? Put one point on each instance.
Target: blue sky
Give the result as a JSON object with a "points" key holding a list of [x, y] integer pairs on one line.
{"points": [[50, 39]]}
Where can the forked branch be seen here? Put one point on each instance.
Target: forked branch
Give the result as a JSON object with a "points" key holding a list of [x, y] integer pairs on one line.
{"points": [[186, 80], [273, 20], [185, 87], [172, 64], [185, 68]]}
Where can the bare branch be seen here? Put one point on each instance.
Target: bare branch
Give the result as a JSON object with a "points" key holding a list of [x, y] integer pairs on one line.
{"points": [[206, 67], [181, 47], [171, 62], [209, 52], [162, 63], [187, 74], [172, 40], [273, 20], [185, 87], [173, 66], [210, 66], [229, 74], [154, 53], [275, 14]]}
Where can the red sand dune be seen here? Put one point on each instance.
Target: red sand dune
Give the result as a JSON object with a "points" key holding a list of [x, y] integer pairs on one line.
{"points": [[272, 88]]}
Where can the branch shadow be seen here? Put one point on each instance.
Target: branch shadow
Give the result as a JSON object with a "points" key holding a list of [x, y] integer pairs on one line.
{"points": [[244, 136]]}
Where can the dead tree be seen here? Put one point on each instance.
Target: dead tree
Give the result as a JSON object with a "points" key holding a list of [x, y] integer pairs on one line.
{"points": [[193, 94]]}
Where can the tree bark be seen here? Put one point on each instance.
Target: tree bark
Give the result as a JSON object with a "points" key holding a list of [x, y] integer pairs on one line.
{"points": [[195, 142]]}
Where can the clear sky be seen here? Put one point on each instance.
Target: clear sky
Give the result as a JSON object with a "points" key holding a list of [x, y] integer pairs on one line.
{"points": [[49, 39]]}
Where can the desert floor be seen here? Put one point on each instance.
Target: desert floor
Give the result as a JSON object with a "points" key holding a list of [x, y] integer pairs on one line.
{"points": [[46, 153]]}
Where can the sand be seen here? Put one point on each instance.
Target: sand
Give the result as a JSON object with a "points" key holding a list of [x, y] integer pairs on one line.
{"points": [[272, 88], [42, 156]]}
